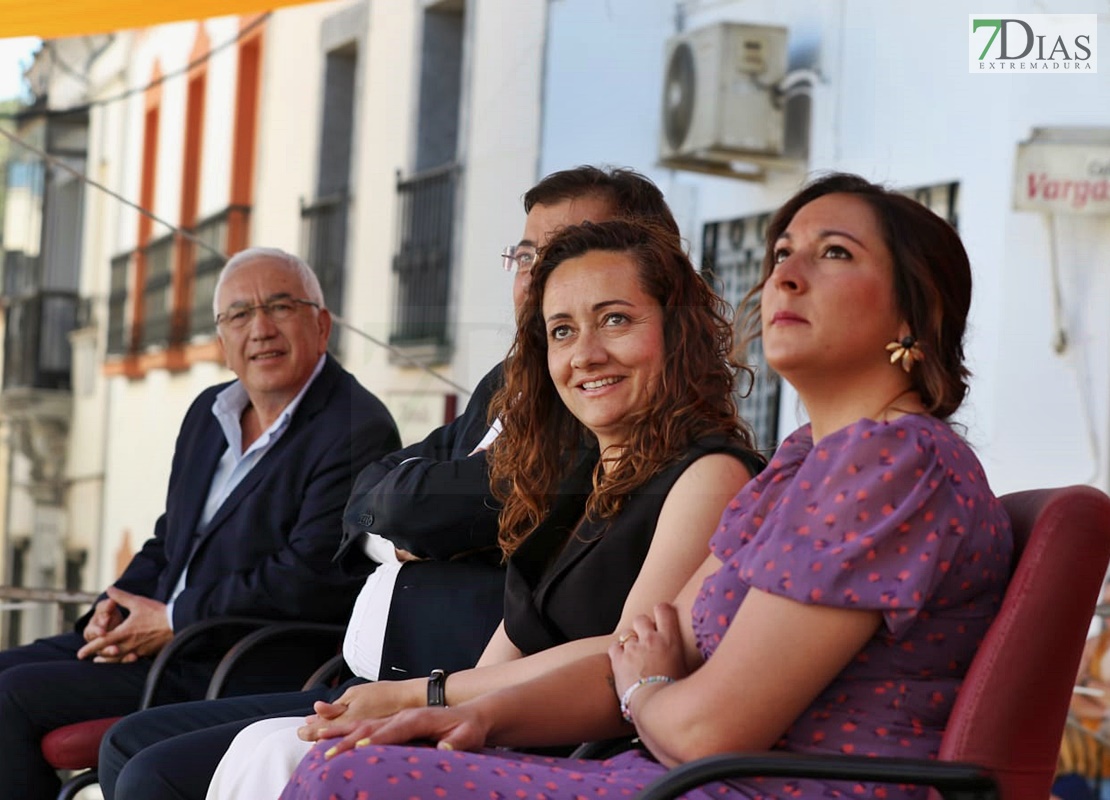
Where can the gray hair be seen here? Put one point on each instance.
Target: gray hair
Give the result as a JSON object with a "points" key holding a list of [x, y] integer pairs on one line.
{"points": [[287, 260]]}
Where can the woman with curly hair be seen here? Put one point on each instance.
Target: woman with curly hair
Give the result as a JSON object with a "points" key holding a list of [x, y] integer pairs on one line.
{"points": [[849, 584], [619, 447]]}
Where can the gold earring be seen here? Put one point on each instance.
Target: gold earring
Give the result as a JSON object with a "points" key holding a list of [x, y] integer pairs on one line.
{"points": [[905, 350]]}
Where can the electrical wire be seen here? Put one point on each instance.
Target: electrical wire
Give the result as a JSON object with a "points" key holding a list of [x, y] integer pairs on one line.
{"points": [[81, 176], [1060, 339], [85, 107], [1060, 343]]}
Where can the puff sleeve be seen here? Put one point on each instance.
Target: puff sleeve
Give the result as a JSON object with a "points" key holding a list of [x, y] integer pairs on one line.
{"points": [[872, 519]]}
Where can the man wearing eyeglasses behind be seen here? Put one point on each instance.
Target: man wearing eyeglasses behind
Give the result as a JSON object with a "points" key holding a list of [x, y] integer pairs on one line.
{"points": [[261, 471]]}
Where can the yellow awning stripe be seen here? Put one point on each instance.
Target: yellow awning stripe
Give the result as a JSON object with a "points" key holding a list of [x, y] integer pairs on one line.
{"points": [[51, 19]]}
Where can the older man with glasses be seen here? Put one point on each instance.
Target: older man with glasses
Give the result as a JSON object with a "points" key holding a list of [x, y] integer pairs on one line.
{"points": [[262, 468]]}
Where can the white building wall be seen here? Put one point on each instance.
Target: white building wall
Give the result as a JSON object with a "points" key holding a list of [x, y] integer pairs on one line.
{"points": [[549, 86], [897, 104], [122, 440], [383, 145], [85, 454], [500, 150], [288, 123], [219, 112], [144, 418]]}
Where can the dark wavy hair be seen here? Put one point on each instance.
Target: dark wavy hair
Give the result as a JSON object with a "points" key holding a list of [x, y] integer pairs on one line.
{"points": [[694, 398], [628, 193], [932, 281]]}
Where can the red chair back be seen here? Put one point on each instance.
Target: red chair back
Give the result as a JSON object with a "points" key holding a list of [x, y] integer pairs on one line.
{"points": [[1009, 716]]}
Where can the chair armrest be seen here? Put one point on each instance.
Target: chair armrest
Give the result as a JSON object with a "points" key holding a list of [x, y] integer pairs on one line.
{"points": [[327, 672], [604, 748], [187, 636], [953, 780], [320, 635]]}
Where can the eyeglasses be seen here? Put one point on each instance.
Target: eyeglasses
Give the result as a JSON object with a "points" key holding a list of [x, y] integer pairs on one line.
{"points": [[239, 315], [518, 257]]}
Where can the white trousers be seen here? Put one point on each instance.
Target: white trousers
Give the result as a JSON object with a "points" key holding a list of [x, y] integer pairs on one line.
{"points": [[260, 761]]}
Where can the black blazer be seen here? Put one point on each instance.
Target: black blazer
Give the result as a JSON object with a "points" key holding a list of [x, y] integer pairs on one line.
{"points": [[433, 499], [570, 577], [267, 551]]}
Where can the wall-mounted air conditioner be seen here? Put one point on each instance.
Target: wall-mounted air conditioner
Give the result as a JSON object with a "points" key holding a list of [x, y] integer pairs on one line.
{"points": [[719, 94]]}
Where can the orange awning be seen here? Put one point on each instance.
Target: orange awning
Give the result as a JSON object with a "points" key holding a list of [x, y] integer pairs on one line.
{"points": [[51, 19]]}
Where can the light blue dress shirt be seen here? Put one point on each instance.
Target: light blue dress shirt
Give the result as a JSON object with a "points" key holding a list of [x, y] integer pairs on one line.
{"points": [[236, 463]]}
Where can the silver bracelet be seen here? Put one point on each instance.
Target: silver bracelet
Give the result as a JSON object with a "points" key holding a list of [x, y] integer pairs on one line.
{"points": [[626, 698]]}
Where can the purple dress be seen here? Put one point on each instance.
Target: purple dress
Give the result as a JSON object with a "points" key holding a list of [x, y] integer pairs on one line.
{"points": [[895, 517]]}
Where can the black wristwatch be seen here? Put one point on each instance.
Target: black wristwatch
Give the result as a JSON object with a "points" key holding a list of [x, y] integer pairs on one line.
{"points": [[437, 688]]}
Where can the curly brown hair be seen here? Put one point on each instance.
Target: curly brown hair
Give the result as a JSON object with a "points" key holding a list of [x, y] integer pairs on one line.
{"points": [[932, 282], [541, 441]]}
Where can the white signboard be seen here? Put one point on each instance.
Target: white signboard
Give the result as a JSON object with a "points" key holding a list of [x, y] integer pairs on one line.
{"points": [[1060, 178]]}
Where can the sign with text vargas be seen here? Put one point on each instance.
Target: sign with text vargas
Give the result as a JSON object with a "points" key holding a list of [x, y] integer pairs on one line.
{"points": [[1062, 178]]}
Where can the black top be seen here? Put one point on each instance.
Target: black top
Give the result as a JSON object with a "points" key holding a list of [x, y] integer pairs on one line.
{"points": [[562, 586]]}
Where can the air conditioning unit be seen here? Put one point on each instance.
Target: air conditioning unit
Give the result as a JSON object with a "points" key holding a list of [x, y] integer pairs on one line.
{"points": [[719, 102]]}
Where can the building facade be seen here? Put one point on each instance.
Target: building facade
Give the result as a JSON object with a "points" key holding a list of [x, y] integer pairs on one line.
{"points": [[390, 144]]}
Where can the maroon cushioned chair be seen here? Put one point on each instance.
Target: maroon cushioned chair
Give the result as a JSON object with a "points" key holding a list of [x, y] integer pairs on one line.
{"points": [[1004, 732], [77, 746]]}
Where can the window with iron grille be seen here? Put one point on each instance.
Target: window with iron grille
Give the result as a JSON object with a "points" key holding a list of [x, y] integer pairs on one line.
{"points": [[207, 263], [158, 292], [940, 198], [732, 256], [422, 264], [324, 244], [732, 253], [119, 342]]}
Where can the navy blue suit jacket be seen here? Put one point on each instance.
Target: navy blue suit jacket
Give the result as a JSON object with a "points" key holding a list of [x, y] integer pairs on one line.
{"points": [[268, 550], [433, 499]]}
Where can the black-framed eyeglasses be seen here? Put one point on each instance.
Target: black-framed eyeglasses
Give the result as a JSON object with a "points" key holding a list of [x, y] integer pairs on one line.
{"points": [[518, 257], [239, 315]]}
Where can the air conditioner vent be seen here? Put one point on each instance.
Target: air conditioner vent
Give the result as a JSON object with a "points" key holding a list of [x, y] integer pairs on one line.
{"points": [[718, 93]]}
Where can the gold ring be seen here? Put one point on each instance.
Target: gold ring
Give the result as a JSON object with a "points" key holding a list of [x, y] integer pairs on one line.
{"points": [[624, 637]]}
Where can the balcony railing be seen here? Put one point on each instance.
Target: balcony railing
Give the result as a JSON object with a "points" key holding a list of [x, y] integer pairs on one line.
{"points": [[213, 231], [163, 324], [16, 599], [36, 340], [158, 328], [119, 338], [21, 272], [324, 244], [422, 264]]}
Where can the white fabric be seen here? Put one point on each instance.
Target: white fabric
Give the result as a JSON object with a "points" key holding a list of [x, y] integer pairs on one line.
{"points": [[493, 432], [262, 758], [260, 761], [235, 464], [365, 635]]}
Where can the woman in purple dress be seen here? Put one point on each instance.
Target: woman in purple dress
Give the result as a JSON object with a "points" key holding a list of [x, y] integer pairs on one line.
{"points": [[849, 584]]}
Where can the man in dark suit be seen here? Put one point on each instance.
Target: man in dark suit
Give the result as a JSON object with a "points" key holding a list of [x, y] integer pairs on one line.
{"points": [[261, 470], [433, 499], [430, 502]]}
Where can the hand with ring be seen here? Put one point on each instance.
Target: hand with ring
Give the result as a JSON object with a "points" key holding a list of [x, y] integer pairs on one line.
{"points": [[652, 646], [624, 637]]}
